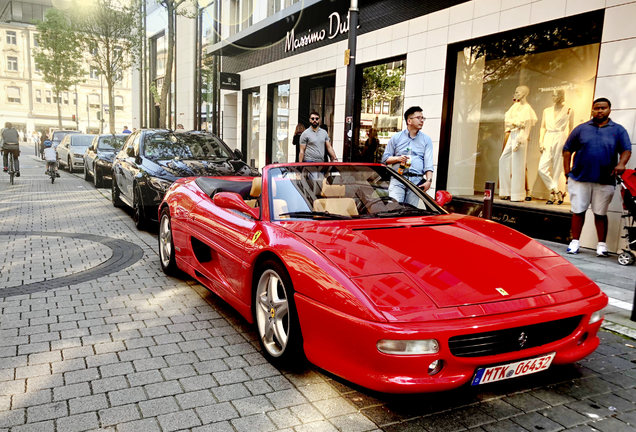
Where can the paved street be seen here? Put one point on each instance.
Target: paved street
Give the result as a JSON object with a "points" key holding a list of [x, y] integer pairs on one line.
{"points": [[93, 336]]}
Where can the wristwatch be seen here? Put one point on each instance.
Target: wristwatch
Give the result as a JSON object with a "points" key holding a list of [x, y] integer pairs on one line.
{"points": [[427, 180]]}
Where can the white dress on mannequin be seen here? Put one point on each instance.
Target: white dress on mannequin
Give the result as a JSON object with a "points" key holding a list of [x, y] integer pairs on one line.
{"points": [[518, 120], [556, 132]]}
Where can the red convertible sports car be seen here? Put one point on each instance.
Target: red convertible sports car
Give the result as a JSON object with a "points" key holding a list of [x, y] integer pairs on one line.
{"points": [[392, 296]]}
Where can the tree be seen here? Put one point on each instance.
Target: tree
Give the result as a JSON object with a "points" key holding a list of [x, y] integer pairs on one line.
{"points": [[58, 55], [111, 35], [173, 8]]}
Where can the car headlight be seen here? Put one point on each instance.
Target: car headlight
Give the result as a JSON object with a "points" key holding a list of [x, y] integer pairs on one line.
{"points": [[408, 347], [160, 184], [597, 316]]}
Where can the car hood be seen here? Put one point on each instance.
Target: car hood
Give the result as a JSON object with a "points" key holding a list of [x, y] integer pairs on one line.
{"points": [[193, 167], [454, 260]]}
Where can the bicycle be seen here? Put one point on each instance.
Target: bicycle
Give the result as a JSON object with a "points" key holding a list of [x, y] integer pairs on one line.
{"points": [[50, 170], [11, 167]]}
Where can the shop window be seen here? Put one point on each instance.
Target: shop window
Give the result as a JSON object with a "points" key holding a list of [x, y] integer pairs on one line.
{"points": [[513, 92], [12, 38], [12, 63], [279, 127], [381, 108], [252, 121]]}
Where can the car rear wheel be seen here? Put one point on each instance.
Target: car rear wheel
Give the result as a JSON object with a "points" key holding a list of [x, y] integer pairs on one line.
{"points": [[139, 215], [276, 317], [166, 245], [117, 202], [97, 180]]}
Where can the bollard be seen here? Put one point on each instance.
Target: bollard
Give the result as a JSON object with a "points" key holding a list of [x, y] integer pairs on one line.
{"points": [[489, 193]]}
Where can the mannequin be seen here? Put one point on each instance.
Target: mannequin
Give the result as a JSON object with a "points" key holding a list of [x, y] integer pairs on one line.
{"points": [[518, 122], [556, 125]]}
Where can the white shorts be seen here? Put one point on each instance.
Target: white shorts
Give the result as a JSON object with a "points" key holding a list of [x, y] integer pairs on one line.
{"points": [[584, 193]]}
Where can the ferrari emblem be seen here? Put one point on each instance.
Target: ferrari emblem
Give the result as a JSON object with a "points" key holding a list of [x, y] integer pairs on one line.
{"points": [[522, 339], [502, 291], [257, 234]]}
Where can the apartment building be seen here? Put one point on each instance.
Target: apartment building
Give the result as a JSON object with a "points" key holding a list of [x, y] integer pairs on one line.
{"points": [[28, 102]]}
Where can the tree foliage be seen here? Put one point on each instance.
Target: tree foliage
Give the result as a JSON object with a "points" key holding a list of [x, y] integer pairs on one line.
{"points": [[382, 83], [58, 54], [110, 33]]}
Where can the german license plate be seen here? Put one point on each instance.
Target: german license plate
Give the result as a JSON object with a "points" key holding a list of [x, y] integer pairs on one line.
{"points": [[512, 370]]}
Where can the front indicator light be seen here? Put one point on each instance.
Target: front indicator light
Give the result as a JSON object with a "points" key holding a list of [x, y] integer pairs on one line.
{"points": [[408, 347], [435, 367], [596, 316]]}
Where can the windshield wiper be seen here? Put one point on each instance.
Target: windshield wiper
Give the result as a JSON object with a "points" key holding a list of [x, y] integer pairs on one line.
{"points": [[403, 211], [315, 214]]}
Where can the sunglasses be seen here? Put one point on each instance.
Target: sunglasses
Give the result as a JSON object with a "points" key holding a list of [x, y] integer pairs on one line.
{"points": [[314, 118]]}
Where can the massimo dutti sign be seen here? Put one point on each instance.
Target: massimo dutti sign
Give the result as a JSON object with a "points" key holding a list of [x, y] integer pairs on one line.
{"points": [[337, 25]]}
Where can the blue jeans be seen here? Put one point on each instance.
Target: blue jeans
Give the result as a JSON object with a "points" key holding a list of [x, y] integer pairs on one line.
{"points": [[399, 192]]}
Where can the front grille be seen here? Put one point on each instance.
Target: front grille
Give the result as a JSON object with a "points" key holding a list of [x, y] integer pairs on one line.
{"points": [[513, 339]]}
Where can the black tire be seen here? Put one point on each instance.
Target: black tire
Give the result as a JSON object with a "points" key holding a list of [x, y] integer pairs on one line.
{"points": [[70, 165], [87, 175], [97, 180], [166, 244], [139, 214], [114, 191], [279, 335]]}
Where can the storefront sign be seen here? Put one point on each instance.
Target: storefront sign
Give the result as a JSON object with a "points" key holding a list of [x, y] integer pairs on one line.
{"points": [[337, 26], [230, 81]]}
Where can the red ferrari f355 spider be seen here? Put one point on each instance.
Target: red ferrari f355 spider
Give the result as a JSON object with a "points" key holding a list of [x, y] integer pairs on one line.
{"points": [[394, 296]]}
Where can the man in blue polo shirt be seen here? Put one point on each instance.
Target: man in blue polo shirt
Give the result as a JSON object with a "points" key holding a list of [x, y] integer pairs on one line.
{"points": [[602, 149], [414, 147]]}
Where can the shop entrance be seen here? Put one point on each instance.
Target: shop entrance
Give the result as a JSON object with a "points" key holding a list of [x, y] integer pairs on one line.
{"points": [[317, 94]]}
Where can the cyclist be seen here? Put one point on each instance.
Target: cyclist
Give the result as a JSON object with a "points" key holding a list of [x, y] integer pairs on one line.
{"points": [[50, 155], [10, 144]]}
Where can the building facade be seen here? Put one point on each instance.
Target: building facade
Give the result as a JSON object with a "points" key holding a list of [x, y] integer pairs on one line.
{"points": [[461, 61], [29, 103]]}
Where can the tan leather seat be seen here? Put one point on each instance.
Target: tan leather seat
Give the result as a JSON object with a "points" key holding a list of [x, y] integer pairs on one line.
{"points": [[335, 202], [255, 192]]}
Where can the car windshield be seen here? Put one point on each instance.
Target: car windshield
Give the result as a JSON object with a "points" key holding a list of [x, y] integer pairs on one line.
{"points": [[59, 136], [320, 192], [82, 141], [111, 142], [168, 145]]}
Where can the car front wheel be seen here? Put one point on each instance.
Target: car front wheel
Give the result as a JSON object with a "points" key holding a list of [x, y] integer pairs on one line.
{"points": [[97, 180], [166, 244], [276, 316], [87, 174], [117, 202], [139, 215]]}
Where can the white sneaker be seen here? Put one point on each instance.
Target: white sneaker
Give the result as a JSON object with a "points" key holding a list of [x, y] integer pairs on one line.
{"points": [[573, 247], [601, 250]]}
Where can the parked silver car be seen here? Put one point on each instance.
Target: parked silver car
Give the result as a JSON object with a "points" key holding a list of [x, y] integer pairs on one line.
{"points": [[71, 151]]}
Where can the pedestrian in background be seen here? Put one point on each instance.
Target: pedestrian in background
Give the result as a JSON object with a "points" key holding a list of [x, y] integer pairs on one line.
{"points": [[413, 150], [314, 141], [300, 128], [602, 149], [126, 130]]}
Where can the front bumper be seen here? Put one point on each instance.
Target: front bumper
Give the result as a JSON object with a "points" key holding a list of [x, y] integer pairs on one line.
{"points": [[346, 346]]}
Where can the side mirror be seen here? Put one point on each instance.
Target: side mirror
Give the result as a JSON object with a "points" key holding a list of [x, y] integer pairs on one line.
{"points": [[233, 201], [443, 197], [130, 152], [238, 154]]}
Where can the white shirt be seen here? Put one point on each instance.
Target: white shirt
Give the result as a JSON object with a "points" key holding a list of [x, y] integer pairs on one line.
{"points": [[50, 154]]}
